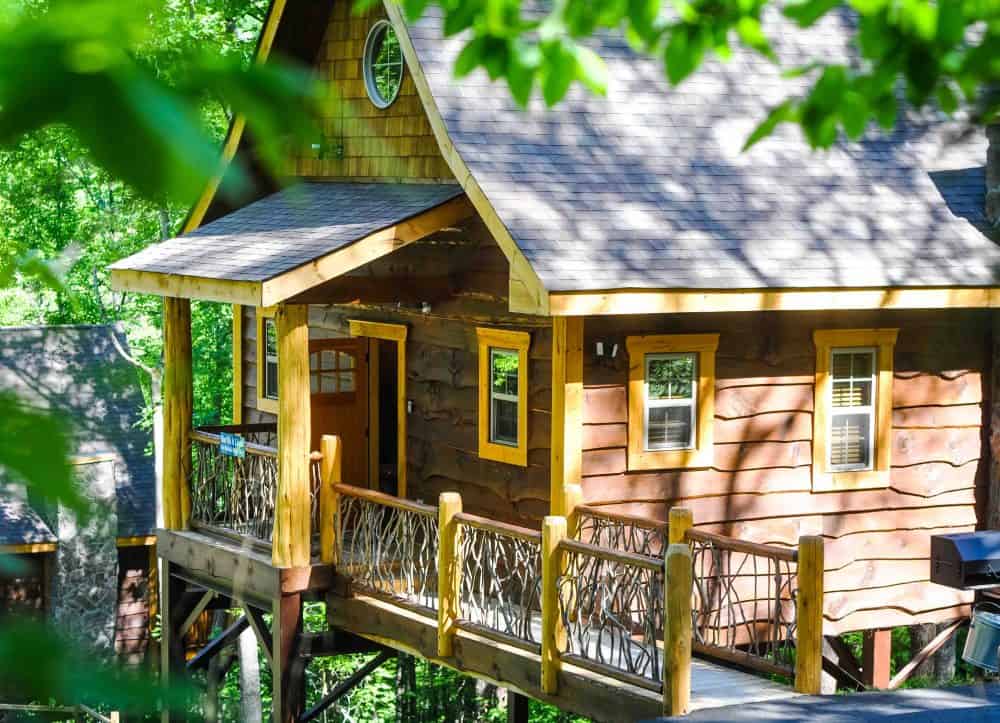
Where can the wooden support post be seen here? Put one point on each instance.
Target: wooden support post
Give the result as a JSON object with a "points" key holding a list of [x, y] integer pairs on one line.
{"points": [[680, 521], [177, 400], [572, 498], [292, 533], [287, 667], [518, 707], [567, 409], [171, 643], [809, 617], [449, 571], [677, 589], [876, 656], [329, 500], [553, 632]]}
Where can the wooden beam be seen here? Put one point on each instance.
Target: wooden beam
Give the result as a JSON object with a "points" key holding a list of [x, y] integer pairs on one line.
{"points": [[346, 686], [226, 291], [290, 546], [136, 541], [259, 626], [28, 548], [841, 664], [567, 410], [677, 633], [287, 668], [518, 707], [285, 286], [374, 470], [237, 364], [932, 647], [809, 617], [992, 514], [553, 631], [876, 658], [215, 646], [177, 408], [449, 570], [681, 301], [329, 500], [196, 610]]}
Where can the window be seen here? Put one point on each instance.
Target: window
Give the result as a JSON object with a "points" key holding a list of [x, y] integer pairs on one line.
{"points": [[503, 395], [267, 360], [852, 424], [383, 64], [671, 400], [331, 372]]}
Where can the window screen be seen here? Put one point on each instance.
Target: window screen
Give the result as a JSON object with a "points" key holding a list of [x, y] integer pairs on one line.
{"points": [[670, 400], [270, 359], [503, 396], [852, 419]]}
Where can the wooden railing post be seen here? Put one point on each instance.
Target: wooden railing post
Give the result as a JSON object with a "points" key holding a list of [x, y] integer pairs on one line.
{"points": [[329, 500], [553, 631], [177, 402], [292, 535], [677, 590], [809, 617], [680, 522], [449, 571]]}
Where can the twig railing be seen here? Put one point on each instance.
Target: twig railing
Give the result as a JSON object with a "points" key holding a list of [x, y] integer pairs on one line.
{"points": [[744, 602], [617, 531], [388, 546], [77, 713], [500, 580], [611, 608]]}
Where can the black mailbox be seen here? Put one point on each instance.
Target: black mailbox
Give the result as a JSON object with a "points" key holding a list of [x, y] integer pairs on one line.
{"points": [[966, 560]]}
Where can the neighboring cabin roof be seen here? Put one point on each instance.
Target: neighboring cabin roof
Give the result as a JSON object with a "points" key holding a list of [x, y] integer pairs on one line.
{"points": [[647, 188], [287, 230], [77, 373], [19, 523]]}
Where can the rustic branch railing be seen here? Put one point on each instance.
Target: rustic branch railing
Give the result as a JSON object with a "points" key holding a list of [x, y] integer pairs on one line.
{"points": [[744, 602], [388, 546], [236, 495], [501, 577], [611, 607], [78, 713], [615, 531]]}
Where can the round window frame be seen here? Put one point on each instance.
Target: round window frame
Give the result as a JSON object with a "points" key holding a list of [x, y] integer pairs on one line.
{"points": [[367, 61]]}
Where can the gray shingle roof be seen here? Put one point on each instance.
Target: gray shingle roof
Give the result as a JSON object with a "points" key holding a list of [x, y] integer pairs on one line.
{"points": [[648, 188], [19, 523], [287, 229], [77, 372]]}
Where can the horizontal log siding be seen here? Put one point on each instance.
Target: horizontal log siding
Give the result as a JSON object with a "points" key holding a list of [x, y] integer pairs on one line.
{"points": [[759, 487], [377, 144]]}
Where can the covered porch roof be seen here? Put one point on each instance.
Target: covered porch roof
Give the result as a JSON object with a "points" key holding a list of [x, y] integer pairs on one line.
{"points": [[291, 241]]}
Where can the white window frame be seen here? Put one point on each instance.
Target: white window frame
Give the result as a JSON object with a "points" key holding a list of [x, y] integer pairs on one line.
{"points": [[494, 439], [660, 403], [270, 358], [869, 409]]}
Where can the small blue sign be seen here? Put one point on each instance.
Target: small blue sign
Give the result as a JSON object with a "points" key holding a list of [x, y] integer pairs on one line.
{"points": [[232, 445]]}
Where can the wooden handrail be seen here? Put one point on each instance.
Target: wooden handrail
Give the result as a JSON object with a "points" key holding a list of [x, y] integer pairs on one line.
{"points": [[237, 428], [638, 520], [381, 498], [251, 447], [616, 556], [788, 554], [502, 528]]}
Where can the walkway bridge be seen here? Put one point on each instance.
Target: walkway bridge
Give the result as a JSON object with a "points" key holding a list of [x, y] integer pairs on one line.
{"points": [[596, 613]]}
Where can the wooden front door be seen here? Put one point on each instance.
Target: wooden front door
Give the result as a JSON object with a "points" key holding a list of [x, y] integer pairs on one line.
{"points": [[338, 384]]}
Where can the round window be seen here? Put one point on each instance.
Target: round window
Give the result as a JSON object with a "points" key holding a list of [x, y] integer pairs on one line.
{"points": [[383, 64]]}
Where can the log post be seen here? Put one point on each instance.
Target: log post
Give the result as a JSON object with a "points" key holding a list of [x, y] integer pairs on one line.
{"points": [[553, 631], [677, 588], [680, 522], [809, 617], [287, 665], [449, 571], [876, 658], [993, 413], [177, 402], [329, 500], [291, 538], [572, 498], [567, 409]]}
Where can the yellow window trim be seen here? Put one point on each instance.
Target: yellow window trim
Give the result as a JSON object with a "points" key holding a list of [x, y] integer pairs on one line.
{"points": [[705, 346], [502, 339], [884, 341], [263, 403]]}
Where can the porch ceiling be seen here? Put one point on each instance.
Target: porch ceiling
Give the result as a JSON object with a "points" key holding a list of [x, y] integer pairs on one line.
{"points": [[284, 244]]}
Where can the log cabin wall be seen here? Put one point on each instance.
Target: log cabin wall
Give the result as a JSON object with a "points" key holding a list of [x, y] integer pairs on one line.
{"points": [[360, 141], [442, 367], [760, 485]]}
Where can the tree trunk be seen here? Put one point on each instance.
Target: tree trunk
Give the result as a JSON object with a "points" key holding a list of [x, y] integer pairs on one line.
{"points": [[944, 659], [250, 705], [920, 638]]}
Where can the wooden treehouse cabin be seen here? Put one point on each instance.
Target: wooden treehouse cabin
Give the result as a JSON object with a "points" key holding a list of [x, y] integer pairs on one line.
{"points": [[558, 397]]}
